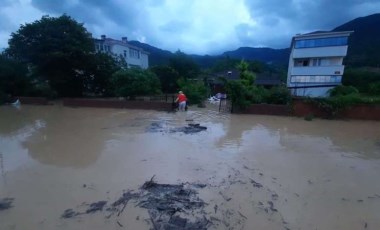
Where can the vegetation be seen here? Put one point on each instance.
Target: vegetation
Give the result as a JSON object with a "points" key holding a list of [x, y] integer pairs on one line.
{"points": [[134, 82], [244, 92], [361, 78], [195, 90], [58, 50], [342, 97], [168, 78], [13, 77]]}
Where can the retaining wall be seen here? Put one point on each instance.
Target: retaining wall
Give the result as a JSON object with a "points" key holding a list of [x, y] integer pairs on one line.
{"points": [[265, 109], [114, 103]]}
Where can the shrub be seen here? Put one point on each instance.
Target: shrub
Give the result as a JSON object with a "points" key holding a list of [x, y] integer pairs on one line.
{"points": [[134, 82], [239, 94], [258, 94], [374, 88], [360, 78], [195, 90], [279, 95], [342, 90]]}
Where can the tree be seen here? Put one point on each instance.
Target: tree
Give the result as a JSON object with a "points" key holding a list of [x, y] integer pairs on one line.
{"points": [[102, 66], [57, 48], [246, 76], [13, 78], [168, 78], [134, 82], [184, 65]]}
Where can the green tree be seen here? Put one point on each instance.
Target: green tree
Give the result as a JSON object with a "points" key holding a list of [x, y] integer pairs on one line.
{"points": [[57, 48], [168, 78], [134, 82], [246, 76], [102, 66], [195, 90], [184, 65], [13, 78]]}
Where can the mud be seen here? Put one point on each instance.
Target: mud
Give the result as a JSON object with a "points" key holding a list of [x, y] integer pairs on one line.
{"points": [[161, 127], [85, 168], [169, 206]]}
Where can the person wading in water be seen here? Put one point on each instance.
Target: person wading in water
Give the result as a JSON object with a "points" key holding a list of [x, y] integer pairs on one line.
{"points": [[181, 99]]}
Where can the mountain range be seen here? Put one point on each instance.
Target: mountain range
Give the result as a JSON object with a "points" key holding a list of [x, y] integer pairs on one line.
{"points": [[364, 48]]}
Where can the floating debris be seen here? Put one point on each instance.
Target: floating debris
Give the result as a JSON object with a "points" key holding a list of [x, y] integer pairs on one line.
{"points": [[156, 127], [6, 203]]}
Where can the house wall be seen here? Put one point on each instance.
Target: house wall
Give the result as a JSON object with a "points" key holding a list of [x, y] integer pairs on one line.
{"points": [[313, 71], [133, 57]]}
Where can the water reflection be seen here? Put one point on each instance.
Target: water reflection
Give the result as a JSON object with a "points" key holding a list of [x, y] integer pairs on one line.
{"points": [[357, 137]]}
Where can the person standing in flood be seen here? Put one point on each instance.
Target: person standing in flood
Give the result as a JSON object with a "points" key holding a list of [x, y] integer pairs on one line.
{"points": [[181, 99]]}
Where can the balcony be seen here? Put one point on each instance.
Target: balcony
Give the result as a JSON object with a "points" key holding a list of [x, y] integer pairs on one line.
{"points": [[336, 51], [317, 70]]}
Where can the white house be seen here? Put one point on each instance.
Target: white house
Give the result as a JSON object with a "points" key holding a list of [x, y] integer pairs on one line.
{"points": [[133, 56], [316, 63]]}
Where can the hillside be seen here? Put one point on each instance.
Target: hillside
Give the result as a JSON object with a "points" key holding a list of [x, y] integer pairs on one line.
{"points": [[267, 55], [364, 43]]}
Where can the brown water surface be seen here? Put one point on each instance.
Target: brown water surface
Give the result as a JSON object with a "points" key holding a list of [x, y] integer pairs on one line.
{"points": [[321, 174]]}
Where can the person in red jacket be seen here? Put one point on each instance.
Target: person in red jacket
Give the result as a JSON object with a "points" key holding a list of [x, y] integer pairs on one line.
{"points": [[181, 99]]}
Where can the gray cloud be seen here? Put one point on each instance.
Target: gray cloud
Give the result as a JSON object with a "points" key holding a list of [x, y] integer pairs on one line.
{"points": [[197, 26], [175, 26]]}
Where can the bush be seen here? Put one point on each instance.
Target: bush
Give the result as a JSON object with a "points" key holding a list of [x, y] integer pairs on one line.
{"points": [[279, 95], [342, 90], [360, 78], [195, 90], [239, 94], [258, 94], [333, 105], [374, 88], [134, 82]]}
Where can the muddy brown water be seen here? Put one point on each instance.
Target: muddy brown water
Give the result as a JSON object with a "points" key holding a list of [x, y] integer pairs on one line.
{"points": [[313, 175]]}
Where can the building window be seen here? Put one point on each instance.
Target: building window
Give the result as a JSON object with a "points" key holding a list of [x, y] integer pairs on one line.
{"points": [[133, 53], [301, 62], [125, 54], [321, 42], [316, 79]]}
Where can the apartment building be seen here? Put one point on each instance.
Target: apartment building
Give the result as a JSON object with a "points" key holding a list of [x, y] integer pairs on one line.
{"points": [[132, 55], [316, 63]]}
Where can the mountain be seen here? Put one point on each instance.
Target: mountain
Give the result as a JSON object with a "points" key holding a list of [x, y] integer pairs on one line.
{"points": [[267, 55], [364, 42], [156, 56]]}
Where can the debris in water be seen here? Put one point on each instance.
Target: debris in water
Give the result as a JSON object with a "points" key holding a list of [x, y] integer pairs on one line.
{"points": [[189, 129], [69, 213], [256, 184], [96, 206], [6, 203], [170, 206]]}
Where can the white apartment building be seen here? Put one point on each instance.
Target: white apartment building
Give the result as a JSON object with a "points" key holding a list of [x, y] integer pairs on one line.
{"points": [[133, 56], [316, 63]]}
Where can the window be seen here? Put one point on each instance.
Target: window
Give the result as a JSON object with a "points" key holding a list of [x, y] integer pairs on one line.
{"points": [[321, 42], [133, 53], [301, 62], [316, 79], [125, 54]]}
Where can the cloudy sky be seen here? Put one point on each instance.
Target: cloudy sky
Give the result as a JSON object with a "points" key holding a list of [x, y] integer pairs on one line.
{"points": [[193, 26]]}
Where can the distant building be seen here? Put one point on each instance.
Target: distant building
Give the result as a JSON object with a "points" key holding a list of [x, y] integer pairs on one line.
{"points": [[264, 79], [316, 63], [133, 56]]}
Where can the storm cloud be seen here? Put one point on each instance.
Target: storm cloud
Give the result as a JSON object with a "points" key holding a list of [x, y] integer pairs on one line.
{"points": [[193, 26]]}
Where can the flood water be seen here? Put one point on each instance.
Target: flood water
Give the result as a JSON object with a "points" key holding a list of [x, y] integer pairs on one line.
{"points": [[260, 172]]}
